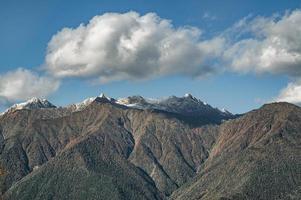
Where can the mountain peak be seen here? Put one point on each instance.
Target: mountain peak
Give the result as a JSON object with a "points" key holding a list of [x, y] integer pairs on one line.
{"points": [[102, 95], [101, 98], [279, 104], [83, 104], [188, 95], [31, 104]]}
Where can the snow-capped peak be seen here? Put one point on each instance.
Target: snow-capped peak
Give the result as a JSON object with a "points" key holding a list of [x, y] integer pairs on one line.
{"points": [[188, 95], [83, 104], [88, 101], [131, 100], [33, 103], [102, 95]]}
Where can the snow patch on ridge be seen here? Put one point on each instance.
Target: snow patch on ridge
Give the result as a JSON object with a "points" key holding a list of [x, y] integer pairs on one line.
{"points": [[33, 103], [187, 104], [82, 105]]}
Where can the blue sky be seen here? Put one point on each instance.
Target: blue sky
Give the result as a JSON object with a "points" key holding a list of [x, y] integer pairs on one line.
{"points": [[28, 26]]}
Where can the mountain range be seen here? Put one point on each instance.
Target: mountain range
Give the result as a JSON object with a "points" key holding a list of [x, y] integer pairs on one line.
{"points": [[139, 148]]}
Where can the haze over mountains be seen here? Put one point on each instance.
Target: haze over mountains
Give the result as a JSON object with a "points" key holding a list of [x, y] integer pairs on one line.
{"points": [[137, 148]]}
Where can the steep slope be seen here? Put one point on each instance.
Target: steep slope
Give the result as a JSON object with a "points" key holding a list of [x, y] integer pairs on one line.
{"points": [[77, 175], [168, 150], [107, 150], [257, 156], [154, 150], [90, 167], [80, 149]]}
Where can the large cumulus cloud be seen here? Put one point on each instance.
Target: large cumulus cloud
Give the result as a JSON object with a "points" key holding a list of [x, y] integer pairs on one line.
{"points": [[117, 46]]}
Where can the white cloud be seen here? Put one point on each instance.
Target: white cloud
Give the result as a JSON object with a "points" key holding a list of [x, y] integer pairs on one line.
{"points": [[129, 46], [267, 45], [116, 46], [292, 93], [23, 84]]}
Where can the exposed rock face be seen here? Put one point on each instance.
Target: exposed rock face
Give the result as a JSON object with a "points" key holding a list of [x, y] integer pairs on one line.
{"points": [[109, 151]]}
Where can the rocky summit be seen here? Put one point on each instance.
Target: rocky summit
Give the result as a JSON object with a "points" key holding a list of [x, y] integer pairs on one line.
{"points": [[138, 148]]}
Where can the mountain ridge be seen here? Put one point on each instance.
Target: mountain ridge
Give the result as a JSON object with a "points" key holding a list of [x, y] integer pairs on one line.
{"points": [[187, 107], [162, 153], [44, 103], [33, 103]]}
